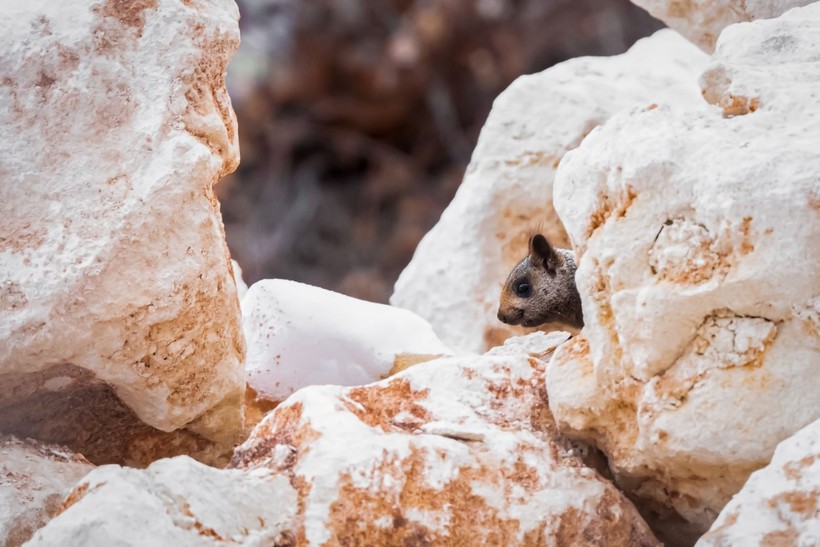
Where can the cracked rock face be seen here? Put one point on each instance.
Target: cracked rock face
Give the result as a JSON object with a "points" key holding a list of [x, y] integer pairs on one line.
{"points": [[701, 21], [507, 189], [697, 234], [780, 504], [120, 321], [34, 479]]}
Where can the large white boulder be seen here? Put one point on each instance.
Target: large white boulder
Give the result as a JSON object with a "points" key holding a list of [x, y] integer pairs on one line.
{"points": [[175, 501], [115, 283], [780, 504], [299, 335], [457, 451], [702, 20], [455, 277], [34, 479], [697, 230]]}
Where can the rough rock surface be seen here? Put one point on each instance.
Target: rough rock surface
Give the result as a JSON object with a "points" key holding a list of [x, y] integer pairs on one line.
{"points": [[458, 448], [699, 250], [175, 501], [456, 275], [780, 504], [461, 448], [34, 479], [119, 313], [299, 335], [702, 20]]}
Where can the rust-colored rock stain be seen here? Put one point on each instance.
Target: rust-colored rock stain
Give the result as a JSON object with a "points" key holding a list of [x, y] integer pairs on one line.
{"points": [[379, 404], [74, 496], [404, 361], [129, 13], [608, 208]]}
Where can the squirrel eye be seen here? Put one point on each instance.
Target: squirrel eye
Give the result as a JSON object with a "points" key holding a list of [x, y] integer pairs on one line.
{"points": [[522, 289]]}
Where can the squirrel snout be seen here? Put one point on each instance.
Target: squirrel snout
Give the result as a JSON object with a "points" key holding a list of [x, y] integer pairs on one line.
{"points": [[512, 316]]}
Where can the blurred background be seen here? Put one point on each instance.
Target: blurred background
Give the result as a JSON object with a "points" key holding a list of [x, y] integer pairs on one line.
{"points": [[357, 119]]}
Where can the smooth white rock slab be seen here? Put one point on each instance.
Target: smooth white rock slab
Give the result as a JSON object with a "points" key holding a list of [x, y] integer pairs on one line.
{"points": [[299, 335]]}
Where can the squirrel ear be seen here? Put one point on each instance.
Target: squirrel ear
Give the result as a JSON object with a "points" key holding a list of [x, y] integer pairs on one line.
{"points": [[542, 254]]}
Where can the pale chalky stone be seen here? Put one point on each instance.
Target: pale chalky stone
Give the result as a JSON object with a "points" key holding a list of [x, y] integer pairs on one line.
{"points": [[175, 501], [457, 272], [702, 20], [456, 451], [778, 505], [696, 230], [118, 305], [299, 335], [34, 480]]}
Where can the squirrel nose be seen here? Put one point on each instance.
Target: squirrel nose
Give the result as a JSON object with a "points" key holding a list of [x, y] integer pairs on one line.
{"points": [[502, 317]]}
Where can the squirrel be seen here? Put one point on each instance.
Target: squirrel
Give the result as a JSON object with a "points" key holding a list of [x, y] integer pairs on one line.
{"points": [[541, 288]]}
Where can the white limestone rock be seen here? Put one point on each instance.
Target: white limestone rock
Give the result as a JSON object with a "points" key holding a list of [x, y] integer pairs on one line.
{"points": [[461, 451], [299, 335], [115, 283], [455, 277], [699, 250], [457, 451], [176, 501], [34, 479], [780, 504], [701, 21]]}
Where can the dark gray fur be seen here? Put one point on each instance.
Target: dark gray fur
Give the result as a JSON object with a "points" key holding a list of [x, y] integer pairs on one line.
{"points": [[553, 295]]}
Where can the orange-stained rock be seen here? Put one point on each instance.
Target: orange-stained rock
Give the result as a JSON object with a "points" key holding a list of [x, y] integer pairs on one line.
{"points": [[698, 279], [701, 21], [458, 451], [780, 504], [119, 321]]}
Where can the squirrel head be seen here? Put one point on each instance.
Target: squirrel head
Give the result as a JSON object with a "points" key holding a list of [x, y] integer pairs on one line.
{"points": [[541, 289]]}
